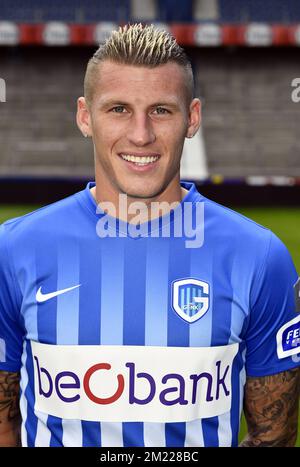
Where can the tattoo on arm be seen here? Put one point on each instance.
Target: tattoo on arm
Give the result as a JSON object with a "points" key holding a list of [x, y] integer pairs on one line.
{"points": [[271, 410], [10, 419]]}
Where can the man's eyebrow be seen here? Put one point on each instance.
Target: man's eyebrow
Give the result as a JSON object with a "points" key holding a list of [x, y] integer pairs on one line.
{"points": [[172, 104], [113, 102]]}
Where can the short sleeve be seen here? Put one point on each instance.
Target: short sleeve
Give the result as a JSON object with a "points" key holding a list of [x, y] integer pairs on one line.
{"points": [[273, 316], [11, 334]]}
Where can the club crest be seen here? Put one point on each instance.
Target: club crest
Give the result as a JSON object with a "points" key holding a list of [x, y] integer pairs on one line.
{"points": [[190, 298]]}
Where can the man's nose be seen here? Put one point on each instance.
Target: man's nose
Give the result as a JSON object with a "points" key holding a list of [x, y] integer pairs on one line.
{"points": [[140, 131]]}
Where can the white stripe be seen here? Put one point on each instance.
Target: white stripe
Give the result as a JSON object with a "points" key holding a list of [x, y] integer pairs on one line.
{"points": [[194, 434], [154, 435], [23, 401], [72, 433], [43, 434], [2, 350], [242, 382], [224, 430], [111, 434]]}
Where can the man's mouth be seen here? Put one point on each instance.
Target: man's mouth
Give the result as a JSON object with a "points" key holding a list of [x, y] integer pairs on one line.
{"points": [[140, 160]]}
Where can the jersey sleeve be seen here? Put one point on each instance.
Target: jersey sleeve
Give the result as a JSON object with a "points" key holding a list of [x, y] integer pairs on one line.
{"points": [[272, 336], [11, 334]]}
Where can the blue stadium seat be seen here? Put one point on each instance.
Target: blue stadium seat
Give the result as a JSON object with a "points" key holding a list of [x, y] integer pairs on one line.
{"points": [[107, 10], [293, 10], [172, 10], [272, 11], [266, 10], [66, 10], [232, 11]]}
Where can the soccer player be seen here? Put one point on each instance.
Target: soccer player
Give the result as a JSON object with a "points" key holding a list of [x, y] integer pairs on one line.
{"points": [[137, 312]]}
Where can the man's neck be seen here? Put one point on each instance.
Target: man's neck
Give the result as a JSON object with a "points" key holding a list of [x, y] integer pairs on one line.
{"points": [[137, 210]]}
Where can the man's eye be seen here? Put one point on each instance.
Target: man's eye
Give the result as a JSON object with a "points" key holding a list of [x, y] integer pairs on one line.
{"points": [[161, 110], [118, 109]]}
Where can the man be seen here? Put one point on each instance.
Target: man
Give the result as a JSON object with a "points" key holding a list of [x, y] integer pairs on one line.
{"points": [[144, 330]]}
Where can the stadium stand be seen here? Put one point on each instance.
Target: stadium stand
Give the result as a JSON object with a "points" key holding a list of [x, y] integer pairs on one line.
{"points": [[225, 11], [70, 10], [239, 11], [249, 120], [250, 124], [172, 10]]}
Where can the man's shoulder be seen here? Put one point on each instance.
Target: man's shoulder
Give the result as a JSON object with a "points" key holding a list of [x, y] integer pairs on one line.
{"points": [[41, 220], [230, 221]]}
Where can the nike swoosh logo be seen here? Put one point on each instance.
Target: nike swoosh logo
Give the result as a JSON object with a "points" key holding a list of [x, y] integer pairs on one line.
{"points": [[43, 297]]}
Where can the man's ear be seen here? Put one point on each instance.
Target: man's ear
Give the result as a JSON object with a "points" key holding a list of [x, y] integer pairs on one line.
{"points": [[83, 117], [194, 117]]}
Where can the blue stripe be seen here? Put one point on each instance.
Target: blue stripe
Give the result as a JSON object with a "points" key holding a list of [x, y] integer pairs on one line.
{"points": [[201, 330], [112, 295], [55, 426], [178, 329], [47, 319], [210, 432], [134, 317], [31, 421], [91, 434], [239, 309], [134, 292], [175, 434], [68, 303], [89, 329], [221, 323], [222, 298], [179, 268], [157, 288], [47, 311], [236, 396], [133, 434]]}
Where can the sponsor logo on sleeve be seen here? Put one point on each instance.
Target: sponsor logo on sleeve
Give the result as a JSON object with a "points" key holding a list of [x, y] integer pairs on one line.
{"points": [[288, 338], [133, 383]]}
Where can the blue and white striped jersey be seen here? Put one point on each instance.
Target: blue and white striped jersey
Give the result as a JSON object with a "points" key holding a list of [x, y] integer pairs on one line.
{"points": [[141, 340]]}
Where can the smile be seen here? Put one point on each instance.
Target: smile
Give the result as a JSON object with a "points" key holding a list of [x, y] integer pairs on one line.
{"points": [[139, 160]]}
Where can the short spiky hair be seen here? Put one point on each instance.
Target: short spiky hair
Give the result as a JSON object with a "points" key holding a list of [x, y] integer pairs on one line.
{"points": [[138, 45]]}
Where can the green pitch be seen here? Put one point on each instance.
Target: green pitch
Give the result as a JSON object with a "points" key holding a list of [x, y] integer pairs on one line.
{"points": [[284, 222]]}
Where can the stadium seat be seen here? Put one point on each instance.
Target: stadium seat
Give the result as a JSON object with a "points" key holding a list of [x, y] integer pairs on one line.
{"points": [[275, 11], [172, 10]]}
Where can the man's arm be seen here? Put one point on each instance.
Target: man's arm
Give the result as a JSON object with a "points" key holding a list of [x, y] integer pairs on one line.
{"points": [[271, 410], [10, 418]]}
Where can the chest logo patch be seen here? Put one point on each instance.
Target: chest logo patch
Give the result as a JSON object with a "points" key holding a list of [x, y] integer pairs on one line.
{"points": [[190, 298]]}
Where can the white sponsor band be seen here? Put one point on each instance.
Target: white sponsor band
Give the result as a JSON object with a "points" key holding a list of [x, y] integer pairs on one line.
{"points": [[133, 383]]}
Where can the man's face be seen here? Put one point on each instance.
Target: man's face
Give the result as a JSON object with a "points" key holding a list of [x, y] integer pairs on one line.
{"points": [[138, 119]]}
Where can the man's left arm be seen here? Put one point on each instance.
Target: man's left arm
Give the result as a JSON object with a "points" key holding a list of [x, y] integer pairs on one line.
{"points": [[271, 409]]}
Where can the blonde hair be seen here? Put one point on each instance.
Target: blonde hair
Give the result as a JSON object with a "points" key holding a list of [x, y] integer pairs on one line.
{"points": [[138, 45]]}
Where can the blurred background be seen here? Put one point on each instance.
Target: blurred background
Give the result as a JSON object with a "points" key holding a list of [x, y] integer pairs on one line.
{"points": [[245, 55]]}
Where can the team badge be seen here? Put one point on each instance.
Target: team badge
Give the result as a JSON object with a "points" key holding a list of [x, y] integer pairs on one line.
{"points": [[190, 298]]}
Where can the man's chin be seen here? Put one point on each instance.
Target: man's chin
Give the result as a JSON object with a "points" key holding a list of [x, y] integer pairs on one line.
{"points": [[142, 192], [142, 195]]}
